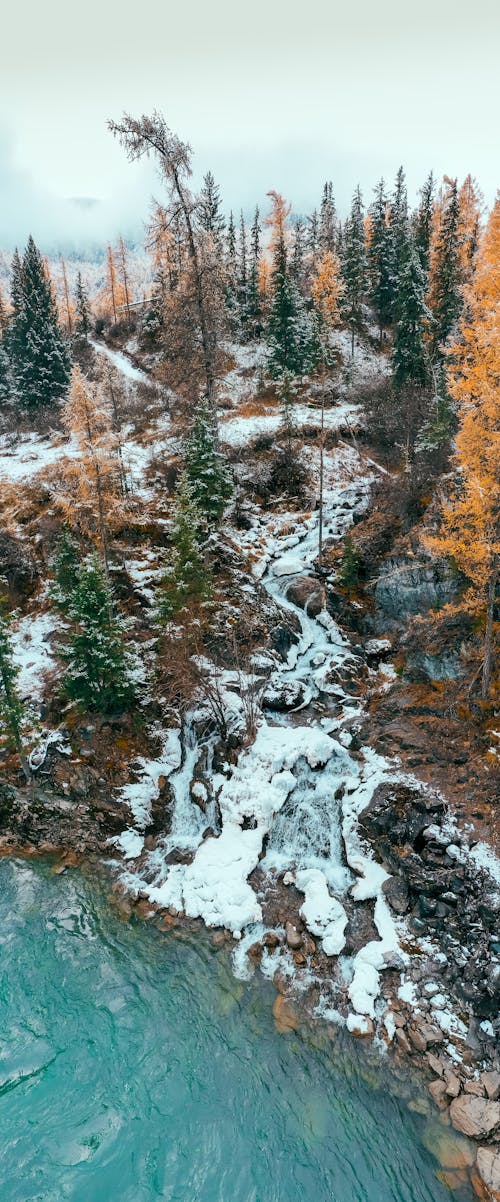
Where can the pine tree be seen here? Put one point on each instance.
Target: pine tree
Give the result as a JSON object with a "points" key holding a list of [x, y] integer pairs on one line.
{"points": [[242, 282], [398, 226], [39, 356], [98, 666], [254, 302], [82, 312], [298, 262], [410, 356], [423, 224], [12, 710], [206, 471], [291, 332], [210, 216], [231, 291], [327, 220], [380, 261], [187, 576], [65, 567], [445, 296], [5, 374], [313, 235], [354, 266]]}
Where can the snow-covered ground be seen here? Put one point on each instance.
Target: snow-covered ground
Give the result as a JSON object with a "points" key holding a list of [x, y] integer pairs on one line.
{"points": [[242, 430]]}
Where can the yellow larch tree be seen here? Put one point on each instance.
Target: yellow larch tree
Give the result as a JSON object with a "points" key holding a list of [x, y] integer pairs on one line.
{"points": [[327, 288], [277, 221], [470, 531], [91, 495]]}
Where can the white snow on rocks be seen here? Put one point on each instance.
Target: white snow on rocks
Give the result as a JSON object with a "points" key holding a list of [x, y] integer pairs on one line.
{"points": [[322, 913], [32, 653]]}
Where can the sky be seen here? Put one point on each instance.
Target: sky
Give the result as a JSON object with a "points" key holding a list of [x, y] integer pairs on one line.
{"points": [[269, 95]]}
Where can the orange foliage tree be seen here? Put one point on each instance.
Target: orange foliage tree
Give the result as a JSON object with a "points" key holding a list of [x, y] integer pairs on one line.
{"points": [[470, 532]]}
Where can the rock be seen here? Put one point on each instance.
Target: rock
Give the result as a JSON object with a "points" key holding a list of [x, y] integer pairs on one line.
{"points": [[413, 587], [452, 1179], [452, 1151], [360, 1025], [395, 890], [476, 1117], [270, 940], [488, 1165], [475, 1088], [403, 1041], [308, 593], [425, 1035], [255, 951], [293, 936], [452, 1085], [491, 1082], [437, 1090], [435, 1064], [282, 639], [282, 694], [284, 1014]]}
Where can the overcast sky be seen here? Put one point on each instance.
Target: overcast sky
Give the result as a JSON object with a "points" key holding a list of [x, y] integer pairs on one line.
{"points": [[270, 94]]}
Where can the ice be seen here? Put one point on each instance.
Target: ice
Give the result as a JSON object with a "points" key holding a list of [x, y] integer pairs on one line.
{"points": [[322, 913]]}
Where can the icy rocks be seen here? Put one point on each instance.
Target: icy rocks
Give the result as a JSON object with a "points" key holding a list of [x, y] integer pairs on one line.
{"points": [[476, 1117], [282, 694], [360, 1025], [293, 937], [308, 593], [322, 913], [488, 1164]]}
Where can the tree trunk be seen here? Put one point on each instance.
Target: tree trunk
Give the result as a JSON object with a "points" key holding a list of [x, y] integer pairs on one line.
{"points": [[488, 637]]}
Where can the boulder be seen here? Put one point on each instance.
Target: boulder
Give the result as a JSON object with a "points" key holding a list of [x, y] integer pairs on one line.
{"points": [[283, 694], [452, 1151], [476, 1117], [437, 1090], [413, 587], [396, 892], [491, 1082], [293, 937], [488, 1165], [308, 593]]}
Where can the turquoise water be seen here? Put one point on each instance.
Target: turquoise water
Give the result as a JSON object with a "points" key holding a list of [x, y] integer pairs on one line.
{"points": [[134, 1067]]}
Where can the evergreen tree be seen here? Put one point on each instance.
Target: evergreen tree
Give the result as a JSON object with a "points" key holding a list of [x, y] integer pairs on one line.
{"points": [[354, 265], [187, 577], [327, 220], [298, 264], [98, 666], [379, 260], [254, 303], [66, 567], [436, 432], [39, 355], [410, 357], [206, 471], [12, 710], [445, 300], [82, 322], [242, 285], [423, 223], [5, 374], [398, 228], [313, 235], [210, 216], [231, 291]]}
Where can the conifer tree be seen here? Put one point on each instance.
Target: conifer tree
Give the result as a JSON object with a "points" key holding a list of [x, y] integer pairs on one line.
{"points": [[210, 215], [313, 235], [123, 274], [242, 286], [206, 471], [380, 260], [98, 666], [291, 332], [5, 374], [410, 356], [354, 266], [38, 354], [298, 261], [445, 296], [398, 227], [187, 576], [327, 289], [327, 220], [471, 206], [254, 302], [66, 567], [423, 223], [68, 310], [12, 709], [231, 272], [82, 312]]}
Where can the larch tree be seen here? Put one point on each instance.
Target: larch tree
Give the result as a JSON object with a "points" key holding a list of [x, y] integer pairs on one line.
{"points": [[470, 532], [123, 272], [471, 208], [68, 312], [91, 496], [151, 135], [327, 289]]}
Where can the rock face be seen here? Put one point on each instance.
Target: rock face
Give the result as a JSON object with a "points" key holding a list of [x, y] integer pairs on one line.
{"points": [[488, 1164], [283, 694], [308, 593], [411, 586], [476, 1117]]}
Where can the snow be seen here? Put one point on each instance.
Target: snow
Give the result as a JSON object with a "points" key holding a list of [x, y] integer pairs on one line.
{"points": [[138, 795], [24, 458], [485, 858], [122, 363], [130, 844], [32, 653], [242, 430], [322, 913]]}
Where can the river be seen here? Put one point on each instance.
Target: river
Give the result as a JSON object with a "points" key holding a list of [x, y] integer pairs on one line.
{"points": [[135, 1067]]}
